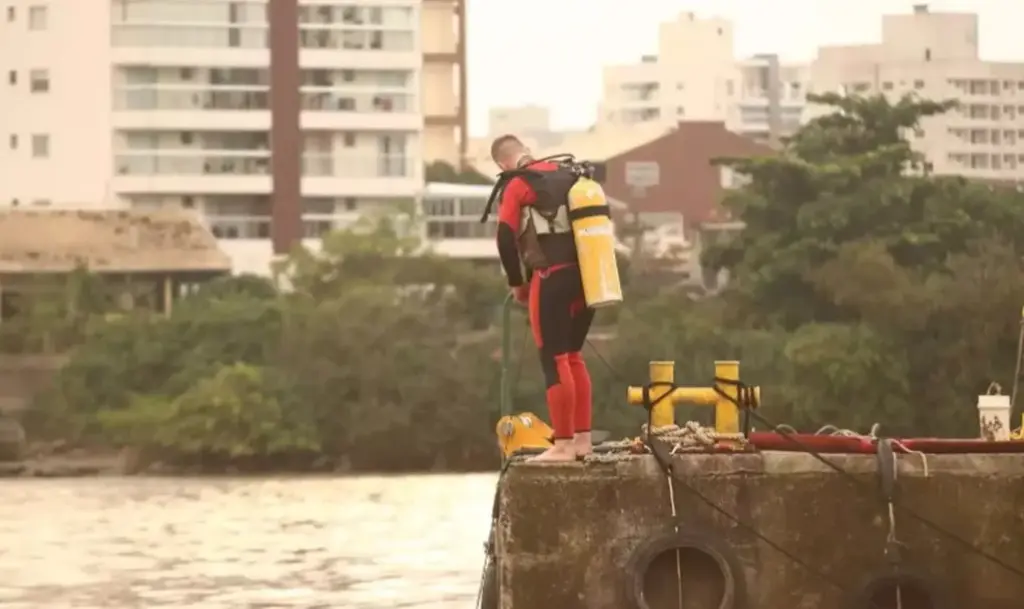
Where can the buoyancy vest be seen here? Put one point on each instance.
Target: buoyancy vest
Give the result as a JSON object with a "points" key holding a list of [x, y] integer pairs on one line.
{"points": [[545, 233]]}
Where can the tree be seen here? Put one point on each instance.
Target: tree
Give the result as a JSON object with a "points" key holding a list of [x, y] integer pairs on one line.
{"points": [[360, 360], [876, 268]]}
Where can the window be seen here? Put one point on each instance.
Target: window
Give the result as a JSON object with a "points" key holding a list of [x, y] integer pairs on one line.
{"points": [[927, 54], [40, 146], [39, 81], [350, 140], [10, 14], [348, 75], [887, 86], [38, 16], [12, 142], [12, 77], [918, 84]]}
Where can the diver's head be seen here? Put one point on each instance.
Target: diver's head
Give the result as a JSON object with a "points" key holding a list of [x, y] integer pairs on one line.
{"points": [[509, 152]]}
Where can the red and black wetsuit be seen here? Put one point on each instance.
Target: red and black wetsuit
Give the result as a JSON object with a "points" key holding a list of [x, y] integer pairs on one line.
{"points": [[559, 316]]}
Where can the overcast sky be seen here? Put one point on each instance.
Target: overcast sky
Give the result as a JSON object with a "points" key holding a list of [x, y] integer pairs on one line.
{"points": [[579, 36]]}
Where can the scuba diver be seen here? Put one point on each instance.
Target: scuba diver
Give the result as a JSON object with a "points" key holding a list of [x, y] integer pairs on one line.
{"points": [[548, 208]]}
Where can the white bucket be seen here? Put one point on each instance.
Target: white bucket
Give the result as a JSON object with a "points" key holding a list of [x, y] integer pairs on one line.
{"points": [[994, 417]]}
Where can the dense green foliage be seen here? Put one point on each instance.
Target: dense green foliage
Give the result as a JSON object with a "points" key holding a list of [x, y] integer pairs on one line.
{"points": [[862, 290]]}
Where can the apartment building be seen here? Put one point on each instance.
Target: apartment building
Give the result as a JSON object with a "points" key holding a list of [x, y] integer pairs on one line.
{"points": [[935, 56], [451, 221], [276, 121], [696, 76], [445, 115]]}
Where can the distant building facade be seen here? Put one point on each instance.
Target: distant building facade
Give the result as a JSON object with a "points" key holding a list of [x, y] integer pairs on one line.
{"points": [[936, 56], [696, 76], [274, 120]]}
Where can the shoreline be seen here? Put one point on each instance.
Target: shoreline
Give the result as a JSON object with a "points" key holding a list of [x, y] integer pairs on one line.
{"points": [[56, 460]]}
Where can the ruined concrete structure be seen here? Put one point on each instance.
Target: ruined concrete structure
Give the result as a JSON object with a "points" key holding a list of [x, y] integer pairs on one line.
{"points": [[108, 241], [600, 535]]}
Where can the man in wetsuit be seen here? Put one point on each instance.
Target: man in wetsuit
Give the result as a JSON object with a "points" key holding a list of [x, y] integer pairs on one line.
{"points": [[551, 287]]}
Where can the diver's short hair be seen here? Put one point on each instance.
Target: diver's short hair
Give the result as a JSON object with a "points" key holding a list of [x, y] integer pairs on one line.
{"points": [[501, 142]]}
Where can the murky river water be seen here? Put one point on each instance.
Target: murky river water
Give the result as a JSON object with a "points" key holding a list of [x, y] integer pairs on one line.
{"points": [[410, 542]]}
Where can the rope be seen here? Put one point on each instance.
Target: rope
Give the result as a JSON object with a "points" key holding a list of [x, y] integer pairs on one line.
{"points": [[693, 437], [675, 525], [752, 412], [872, 436]]}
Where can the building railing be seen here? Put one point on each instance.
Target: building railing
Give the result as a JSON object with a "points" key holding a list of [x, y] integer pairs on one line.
{"points": [[220, 97], [257, 36], [255, 12], [190, 35], [255, 97], [437, 230], [326, 165], [314, 38], [188, 163], [324, 99], [257, 163], [454, 208]]}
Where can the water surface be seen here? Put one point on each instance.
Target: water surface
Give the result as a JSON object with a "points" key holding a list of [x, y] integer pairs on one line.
{"points": [[409, 542]]}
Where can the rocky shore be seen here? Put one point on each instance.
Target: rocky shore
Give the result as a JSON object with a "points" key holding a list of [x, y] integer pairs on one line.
{"points": [[55, 460]]}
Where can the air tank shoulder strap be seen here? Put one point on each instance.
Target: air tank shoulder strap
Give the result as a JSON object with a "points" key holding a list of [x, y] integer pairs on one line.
{"points": [[499, 187]]}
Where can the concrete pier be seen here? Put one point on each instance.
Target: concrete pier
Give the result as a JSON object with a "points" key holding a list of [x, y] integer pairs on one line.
{"points": [[579, 536]]}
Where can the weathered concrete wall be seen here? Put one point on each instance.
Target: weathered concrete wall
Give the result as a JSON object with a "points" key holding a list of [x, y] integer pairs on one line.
{"points": [[567, 532]]}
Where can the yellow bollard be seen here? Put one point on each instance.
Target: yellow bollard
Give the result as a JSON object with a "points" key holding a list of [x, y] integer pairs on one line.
{"points": [[664, 410], [727, 416]]}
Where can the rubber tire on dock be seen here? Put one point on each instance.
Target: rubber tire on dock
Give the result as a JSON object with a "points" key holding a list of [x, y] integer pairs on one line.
{"points": [[932, 589], [735, 592]]}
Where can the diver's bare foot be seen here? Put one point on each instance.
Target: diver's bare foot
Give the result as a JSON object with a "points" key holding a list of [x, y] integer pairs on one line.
{"points": [[583, 443], [563, 450]]}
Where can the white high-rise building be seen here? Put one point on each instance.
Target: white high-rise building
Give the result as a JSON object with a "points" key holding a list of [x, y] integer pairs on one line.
{"points": [[696, 76], [152, 103], [935, 56]]}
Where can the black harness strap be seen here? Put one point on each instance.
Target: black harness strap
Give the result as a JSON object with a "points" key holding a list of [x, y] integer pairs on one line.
{"points": [[590, 212], [507, 176]]}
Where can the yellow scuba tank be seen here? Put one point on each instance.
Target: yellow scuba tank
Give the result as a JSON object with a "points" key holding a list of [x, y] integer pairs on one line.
{"points": [[594, 234]]}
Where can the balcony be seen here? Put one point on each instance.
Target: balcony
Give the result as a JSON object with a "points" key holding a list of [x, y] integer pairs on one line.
{"points": [[365, 47], [192, 44], [212, 172], [192, 107], [192, 171], [384, 175], [364, 109], [247, 107]]}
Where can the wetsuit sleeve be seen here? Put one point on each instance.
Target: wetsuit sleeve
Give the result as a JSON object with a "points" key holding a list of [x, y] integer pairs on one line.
{"points": [[509, 217]]}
